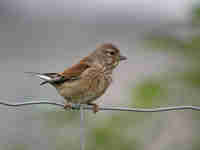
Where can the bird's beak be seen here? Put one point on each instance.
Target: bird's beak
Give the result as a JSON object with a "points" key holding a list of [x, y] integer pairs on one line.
{"points": [[122, 57]]}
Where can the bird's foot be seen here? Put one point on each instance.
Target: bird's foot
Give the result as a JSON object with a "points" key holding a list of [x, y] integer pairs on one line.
{"points": [[68, 106], [95, 108]]}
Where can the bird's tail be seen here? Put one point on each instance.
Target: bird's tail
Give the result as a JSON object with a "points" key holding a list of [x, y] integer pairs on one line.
{"points": [[43, 76]]}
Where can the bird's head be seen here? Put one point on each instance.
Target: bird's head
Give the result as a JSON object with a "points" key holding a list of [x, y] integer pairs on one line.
{"points": [[108, 55]]}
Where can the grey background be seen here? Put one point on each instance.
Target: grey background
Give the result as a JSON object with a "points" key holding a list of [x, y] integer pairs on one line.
{"points": [[48, 36]]}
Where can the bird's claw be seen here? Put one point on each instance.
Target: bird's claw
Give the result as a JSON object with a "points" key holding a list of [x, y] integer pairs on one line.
{"points": [[95, 108], [68, 106]]}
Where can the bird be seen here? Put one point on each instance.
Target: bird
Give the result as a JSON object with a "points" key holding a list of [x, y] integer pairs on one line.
{"points": [[86, 81]]}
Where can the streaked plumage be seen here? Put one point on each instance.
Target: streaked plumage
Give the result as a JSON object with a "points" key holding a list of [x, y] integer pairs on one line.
{"points": [[87, 80]]}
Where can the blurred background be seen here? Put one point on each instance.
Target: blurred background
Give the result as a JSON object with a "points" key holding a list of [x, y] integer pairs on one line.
{"points": [[162, 42]]}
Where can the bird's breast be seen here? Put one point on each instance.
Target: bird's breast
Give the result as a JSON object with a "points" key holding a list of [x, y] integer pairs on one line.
{"points": [[100, 84], [85, 90]]}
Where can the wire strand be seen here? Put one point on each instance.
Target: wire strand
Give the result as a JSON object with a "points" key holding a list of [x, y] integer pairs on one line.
{"points": [[82, 128], [103, 108]]}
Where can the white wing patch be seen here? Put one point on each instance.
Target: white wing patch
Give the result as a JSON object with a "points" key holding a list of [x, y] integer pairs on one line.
{"points": [[44, 77]]}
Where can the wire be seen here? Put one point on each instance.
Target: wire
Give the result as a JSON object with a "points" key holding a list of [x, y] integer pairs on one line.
{"points": [[103, 108], [82, 128]]}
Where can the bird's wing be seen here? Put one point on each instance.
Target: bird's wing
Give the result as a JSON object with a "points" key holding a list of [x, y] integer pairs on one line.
{"points": [[75, 71], [70, 74]]}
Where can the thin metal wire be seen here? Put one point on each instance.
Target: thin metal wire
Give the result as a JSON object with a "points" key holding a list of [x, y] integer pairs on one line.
{"points": [[82, 128], [102, 108]]}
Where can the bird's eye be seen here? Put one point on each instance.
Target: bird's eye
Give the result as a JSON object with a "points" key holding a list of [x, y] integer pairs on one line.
{"points": [[110, 52]]}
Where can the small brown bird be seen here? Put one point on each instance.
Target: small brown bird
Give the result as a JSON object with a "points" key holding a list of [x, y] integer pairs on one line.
{"points": [[87, 80]]}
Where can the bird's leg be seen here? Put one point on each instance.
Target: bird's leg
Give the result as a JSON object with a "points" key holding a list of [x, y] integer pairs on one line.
{"points": [[67, 105], [95, 107]]}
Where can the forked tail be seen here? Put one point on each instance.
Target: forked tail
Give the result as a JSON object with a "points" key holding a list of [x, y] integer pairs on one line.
{"points": [[46, 77]]}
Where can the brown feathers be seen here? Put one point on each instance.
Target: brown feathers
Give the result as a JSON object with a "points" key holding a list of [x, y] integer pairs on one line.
{"points": [[87, 80]]}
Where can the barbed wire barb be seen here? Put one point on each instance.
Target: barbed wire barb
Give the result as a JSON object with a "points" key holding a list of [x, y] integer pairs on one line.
{"points": [[103, 107]]}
